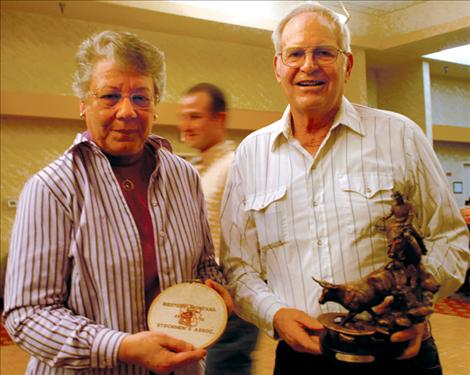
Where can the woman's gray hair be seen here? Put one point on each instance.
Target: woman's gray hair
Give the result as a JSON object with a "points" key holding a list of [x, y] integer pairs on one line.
{"points": [[343, 30], [127, 49]]}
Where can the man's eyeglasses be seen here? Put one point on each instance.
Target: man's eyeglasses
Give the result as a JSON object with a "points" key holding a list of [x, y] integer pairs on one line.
{"points": [[321, 55], [110, 99]]}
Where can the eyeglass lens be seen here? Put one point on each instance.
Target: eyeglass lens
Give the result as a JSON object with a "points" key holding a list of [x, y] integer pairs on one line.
{"points": [[110, 99], [295, 56]]}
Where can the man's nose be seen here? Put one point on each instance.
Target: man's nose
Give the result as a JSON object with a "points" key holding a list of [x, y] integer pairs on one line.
{"points": [[126, 108], [309, 62]]}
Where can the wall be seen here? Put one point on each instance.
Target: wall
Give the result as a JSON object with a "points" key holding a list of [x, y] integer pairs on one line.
{"points": [[43, 47], [452, 156], [450, 98], [372, 100], [400, 88], [356, 88]]}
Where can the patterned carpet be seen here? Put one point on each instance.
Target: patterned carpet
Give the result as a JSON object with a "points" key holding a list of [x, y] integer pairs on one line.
{"points": [[456, 304], [4, 338]]}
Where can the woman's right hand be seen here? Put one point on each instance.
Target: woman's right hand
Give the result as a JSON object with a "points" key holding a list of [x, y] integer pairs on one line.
{"points": [[158, 352]]}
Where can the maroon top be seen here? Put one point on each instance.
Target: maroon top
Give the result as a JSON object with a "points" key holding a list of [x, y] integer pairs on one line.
{"points": [[133, 174]]}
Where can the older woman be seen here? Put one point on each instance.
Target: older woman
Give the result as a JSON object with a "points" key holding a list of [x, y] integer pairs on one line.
{"points": [[104, 228]]}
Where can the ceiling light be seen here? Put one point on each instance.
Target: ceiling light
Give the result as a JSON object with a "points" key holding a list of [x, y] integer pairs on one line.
{"points": [[458, 55]]}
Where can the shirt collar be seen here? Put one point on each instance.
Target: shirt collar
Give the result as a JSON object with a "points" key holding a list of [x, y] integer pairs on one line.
{"points": [[216, 151], [346, 116], [155, 141]]}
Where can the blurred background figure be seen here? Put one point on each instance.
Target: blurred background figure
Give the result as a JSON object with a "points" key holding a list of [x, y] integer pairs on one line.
{"points": [[202, 120]]}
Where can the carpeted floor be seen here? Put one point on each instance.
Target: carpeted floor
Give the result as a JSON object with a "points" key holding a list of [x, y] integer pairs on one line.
{"points": [[4, 338], [456, 304]]}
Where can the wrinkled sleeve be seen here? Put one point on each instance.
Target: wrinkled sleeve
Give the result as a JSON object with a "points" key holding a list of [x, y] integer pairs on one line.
{"points": [[241, 257], [36, 290], [444, 231], [207, 267]]}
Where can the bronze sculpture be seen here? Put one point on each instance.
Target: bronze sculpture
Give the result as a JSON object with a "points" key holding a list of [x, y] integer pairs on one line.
{"points": [[395, 296]]}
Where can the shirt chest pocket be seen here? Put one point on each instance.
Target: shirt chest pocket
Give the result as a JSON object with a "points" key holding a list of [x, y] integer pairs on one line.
{"points": [[365, 200], [366, 185], [268, 210]]}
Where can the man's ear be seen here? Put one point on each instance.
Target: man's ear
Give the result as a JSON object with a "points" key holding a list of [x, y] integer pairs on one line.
{"points": [[221, 118], [276, 67], [349, 66]]}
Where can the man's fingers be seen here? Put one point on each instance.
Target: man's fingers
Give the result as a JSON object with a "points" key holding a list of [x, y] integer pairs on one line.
{"points": [[307, 344], [414, 336], [311, 324], [411, 350]]}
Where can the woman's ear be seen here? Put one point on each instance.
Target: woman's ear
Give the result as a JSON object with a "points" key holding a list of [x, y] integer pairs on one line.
{"points": [[82, 110]]}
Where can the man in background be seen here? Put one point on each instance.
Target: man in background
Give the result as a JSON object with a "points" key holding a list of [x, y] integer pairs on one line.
{"points": [[202, 121]]}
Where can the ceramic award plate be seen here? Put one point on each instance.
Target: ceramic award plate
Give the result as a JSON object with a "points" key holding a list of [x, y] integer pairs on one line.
{"points": [[192, 312]]}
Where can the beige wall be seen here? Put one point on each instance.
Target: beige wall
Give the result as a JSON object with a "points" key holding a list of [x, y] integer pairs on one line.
{"points": [[40, 50], [372, 100], [453, 156], [400, 88], [356, 89], [450, 99]]}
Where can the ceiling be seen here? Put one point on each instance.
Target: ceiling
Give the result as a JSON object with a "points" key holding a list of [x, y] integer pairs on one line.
{"points": [[389, 31], [378, 8]]}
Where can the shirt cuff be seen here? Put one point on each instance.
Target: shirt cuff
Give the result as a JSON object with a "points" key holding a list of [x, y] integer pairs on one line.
{"points": [[268, 322], [104, 351]]}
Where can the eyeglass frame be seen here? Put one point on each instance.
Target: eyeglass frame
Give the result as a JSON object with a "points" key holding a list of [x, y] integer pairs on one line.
{"points": [[152, 99], [312, 49]]}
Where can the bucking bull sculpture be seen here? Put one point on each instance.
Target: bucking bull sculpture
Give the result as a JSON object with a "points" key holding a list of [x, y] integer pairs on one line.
{"points": [[403, 288]]}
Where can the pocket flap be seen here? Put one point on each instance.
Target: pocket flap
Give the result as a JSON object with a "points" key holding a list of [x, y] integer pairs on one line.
{"points": [[263, 199], [366, 184]]}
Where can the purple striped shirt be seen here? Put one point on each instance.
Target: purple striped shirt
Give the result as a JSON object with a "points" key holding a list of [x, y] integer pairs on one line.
{"points": [[75, 279]]}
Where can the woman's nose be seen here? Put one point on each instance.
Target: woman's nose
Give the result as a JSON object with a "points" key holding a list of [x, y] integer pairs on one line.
{"points": [[125, 108]]}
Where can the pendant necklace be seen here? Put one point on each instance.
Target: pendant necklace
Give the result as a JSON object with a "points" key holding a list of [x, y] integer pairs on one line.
{"points": [[127, 185]]}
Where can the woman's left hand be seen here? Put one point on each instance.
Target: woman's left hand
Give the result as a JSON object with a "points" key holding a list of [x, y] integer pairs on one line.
{"points": [[223, 292]]}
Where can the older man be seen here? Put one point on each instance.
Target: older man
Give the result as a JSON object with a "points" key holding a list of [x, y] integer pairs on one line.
{"points": [[306, 192]]}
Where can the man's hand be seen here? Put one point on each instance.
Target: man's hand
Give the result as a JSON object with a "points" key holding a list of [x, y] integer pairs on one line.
{"points": [[158, 352], [414, 336], [223, 293], [291, 326]]}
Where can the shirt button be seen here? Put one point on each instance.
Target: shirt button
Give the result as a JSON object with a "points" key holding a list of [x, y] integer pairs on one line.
{"points": [[314, 203], [319, 242], [154, 203], [368, 190], [162, 235]]}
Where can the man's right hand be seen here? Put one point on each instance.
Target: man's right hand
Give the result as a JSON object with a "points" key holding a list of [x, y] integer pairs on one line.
{"points": [[158, 352], [292, 325]]}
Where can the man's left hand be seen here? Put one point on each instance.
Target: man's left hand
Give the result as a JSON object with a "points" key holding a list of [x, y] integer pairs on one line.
{"points": [[414, 336], [223, 292]]}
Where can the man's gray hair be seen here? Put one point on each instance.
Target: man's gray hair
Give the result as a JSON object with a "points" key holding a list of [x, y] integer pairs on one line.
{"points": [[128, 50], [343, 30]]}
